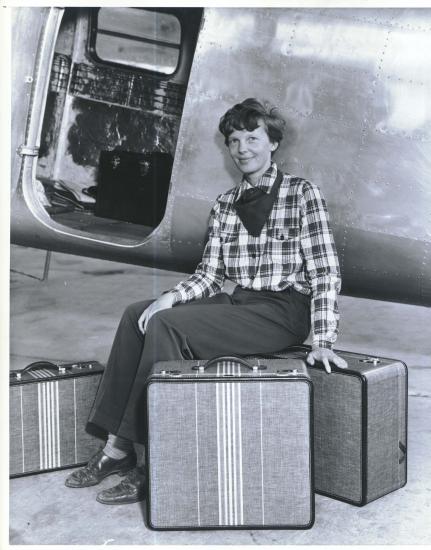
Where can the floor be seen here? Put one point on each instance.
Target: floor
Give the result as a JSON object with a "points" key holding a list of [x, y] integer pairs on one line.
{"points": [[73, 315]]}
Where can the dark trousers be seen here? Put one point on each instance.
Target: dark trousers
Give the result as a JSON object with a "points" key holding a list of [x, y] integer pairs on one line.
{"points": [[244, 323]]}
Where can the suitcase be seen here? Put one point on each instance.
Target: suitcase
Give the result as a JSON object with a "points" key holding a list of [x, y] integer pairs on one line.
{"points": [[229, 445], [48, 409], [133, 187], [360, 426]]}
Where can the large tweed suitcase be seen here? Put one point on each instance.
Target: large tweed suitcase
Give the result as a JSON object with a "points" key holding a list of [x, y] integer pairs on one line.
{"points": [[48, 409], [229, 445], [360, 426]]}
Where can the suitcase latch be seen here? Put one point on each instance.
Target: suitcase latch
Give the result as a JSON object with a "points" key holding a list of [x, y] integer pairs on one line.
{"points": [[373, 360], [287, 372]]}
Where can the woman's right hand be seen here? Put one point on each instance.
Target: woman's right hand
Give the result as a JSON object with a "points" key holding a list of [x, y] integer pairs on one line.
{"points": [[165, 301]]}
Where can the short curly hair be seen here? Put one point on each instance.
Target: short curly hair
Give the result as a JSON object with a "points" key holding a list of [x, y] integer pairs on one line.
{"points": [[247, 116]]}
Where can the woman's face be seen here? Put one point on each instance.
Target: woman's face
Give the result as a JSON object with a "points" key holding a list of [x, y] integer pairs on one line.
{"points": [[251, 151]]}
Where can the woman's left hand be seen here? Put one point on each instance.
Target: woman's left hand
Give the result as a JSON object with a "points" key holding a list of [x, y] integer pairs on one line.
{"points": [[325, 356], [164, 301]]}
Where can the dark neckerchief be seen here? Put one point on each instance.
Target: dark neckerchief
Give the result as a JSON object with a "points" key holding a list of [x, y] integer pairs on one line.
{"points": [[254, 206]]}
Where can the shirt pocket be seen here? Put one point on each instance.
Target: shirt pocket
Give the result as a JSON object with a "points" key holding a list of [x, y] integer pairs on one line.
{"points": [[282, 245], [228, 237], [284, 233], [230, 249]]}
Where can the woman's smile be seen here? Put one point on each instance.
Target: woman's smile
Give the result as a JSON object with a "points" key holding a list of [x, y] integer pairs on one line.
{"points": [[251, 151]]}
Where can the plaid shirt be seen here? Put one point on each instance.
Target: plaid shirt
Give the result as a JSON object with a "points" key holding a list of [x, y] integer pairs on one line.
{"points": [[295, 249]]}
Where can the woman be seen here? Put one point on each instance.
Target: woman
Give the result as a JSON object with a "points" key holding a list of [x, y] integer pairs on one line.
{"points": [[270, 235]]}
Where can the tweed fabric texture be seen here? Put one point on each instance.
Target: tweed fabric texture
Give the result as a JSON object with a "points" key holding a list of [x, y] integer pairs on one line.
{"points": [[337, 434], [360, 426], [47, 424], [295, 248], [387, 430], [229, 453]]}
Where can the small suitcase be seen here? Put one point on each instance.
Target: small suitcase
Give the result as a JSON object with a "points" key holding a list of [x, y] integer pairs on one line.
{"points": [[360, 426], [133, 187], [229, 445], [48, 409]]}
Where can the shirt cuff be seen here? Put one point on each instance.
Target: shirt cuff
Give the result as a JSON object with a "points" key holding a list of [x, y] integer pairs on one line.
{"points": [[178, 297], [175, 293], [323, 344]]}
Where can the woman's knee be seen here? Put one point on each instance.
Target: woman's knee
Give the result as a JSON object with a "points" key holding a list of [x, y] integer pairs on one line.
{"points": [[135, 310], [159, 319], [165, 319]]}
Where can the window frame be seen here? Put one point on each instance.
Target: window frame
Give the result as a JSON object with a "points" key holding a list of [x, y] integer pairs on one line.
{"points": [[91, 44]]}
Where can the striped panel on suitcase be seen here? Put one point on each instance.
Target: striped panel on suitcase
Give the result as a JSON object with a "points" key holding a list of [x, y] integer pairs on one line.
{"points": [[360, 427], [229, 449], [47, 416]]}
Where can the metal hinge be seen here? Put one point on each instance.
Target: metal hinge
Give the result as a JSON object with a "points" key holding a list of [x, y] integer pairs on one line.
{"points": [[27, 150]]}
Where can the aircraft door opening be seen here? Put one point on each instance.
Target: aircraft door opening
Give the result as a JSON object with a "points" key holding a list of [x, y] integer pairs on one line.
{"points": [[116, 94]]}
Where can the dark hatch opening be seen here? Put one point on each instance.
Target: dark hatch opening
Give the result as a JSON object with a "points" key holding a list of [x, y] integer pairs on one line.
{"points": [[111, 125]]}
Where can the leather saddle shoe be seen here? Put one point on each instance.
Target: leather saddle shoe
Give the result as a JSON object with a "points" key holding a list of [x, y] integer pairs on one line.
{"points": [[99, 467], [130, 489]]}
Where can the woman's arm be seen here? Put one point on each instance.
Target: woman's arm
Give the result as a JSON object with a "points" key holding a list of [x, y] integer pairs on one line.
{"points": [[207, 279], [209, 275], [320, 255]]}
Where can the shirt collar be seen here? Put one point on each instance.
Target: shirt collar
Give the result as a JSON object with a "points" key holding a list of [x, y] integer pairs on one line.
{"points": [[265, 183]]}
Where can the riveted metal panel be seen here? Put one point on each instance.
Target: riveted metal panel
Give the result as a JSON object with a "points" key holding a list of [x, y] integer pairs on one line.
{"points": [[357, 97]]}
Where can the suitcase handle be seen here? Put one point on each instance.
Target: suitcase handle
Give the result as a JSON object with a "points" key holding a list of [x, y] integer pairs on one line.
{"points": [[38, 365], [231, 358], [44, 365]]}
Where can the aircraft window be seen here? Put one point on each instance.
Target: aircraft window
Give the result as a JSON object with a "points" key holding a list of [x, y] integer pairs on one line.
{"points": [[139, 38]]}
